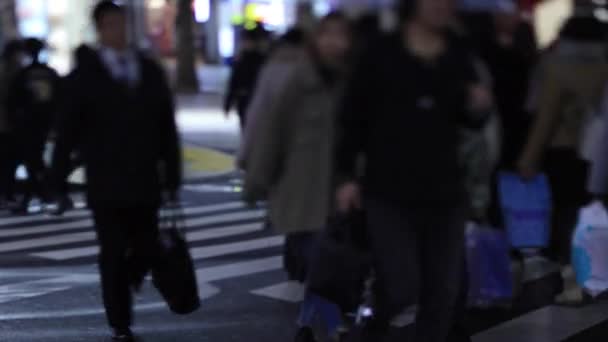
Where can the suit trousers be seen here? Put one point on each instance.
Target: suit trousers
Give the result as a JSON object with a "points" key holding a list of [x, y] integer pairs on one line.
{"points": [[7, 172], [418, 255], [128, 239]]}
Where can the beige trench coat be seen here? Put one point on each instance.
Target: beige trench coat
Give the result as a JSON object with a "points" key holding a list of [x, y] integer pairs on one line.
{"points": [[290, 156]]}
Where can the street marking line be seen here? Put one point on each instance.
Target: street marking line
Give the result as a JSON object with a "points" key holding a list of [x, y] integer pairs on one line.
{"points": [[239, 269], [207, 252], [204, 275], [190, 223], [47, 241], [289, 291], [85, 213], [208, 234], [72, 214], [47, 228]]}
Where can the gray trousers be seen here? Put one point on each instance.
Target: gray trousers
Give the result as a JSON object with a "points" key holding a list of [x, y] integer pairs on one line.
{"points": [[418, 256]]}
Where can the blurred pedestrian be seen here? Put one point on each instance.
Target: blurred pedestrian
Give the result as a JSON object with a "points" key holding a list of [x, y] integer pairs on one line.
{"points": [[33, 99], [122, 110], [290, 163], [511, 54], [62, 199], [573, 77], [403, 111], [243, 79], [10, 64], [289, 50]]}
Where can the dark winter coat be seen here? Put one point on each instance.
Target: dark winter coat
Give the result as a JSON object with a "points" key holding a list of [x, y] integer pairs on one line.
{"points": [[129, 140]]}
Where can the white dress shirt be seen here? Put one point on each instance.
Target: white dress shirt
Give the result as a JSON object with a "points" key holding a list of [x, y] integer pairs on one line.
{"points": [[123, 65]]}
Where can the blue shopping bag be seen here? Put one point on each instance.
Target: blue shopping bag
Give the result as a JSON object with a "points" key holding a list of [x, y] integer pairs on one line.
{"points": [[489, 266], [526, 208]]}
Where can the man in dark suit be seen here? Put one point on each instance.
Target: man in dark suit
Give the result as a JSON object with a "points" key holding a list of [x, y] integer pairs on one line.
{"points": [[122, 118]]}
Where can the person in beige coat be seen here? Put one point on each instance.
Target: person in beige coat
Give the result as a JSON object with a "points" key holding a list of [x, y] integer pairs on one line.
{"points": [[289, 50], [571, 86], [289, 162]]}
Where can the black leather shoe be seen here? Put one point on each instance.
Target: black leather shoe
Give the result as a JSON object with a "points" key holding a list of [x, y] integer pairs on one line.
{"points": [[305, 334]]}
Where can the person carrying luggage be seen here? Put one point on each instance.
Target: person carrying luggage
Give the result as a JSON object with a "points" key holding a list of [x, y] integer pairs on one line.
{"points": [[122, 112], [403, 111], [291, 162]]}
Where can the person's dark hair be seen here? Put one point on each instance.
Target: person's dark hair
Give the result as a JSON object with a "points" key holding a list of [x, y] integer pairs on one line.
{"points": [[33, 47], [105, 7], [331, 17]]}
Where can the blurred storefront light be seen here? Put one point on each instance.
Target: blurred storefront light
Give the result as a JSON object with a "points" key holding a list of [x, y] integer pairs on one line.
{"points": [[202, 10]]}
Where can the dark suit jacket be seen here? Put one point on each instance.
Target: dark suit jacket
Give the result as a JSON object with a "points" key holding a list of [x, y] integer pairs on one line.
{"points": [[128, 135]]}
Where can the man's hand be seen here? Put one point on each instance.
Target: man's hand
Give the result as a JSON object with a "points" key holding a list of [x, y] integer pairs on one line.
{"points": [[481, 98], [348, 197]]}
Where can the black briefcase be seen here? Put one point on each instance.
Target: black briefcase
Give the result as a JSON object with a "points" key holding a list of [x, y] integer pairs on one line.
{"points": [[340, 262], [173, 273]]}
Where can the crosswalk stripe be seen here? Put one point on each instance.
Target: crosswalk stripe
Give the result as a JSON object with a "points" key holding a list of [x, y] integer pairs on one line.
{"points": [[47, 228], [204, 275], [190, 223], [42, 217], [200, 253], [79, 214], [90, 236], [46, 241], [239, 269], [289, 291], [208, 234]]}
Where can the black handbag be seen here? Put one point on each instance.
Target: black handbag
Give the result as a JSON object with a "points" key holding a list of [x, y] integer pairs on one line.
{"points": [[340, 262], [173, 273]]}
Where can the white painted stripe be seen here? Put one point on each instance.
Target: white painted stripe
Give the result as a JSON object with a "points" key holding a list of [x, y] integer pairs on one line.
{"points": [[46, 241], [223, 218], [239, 269], [190, 223], [203, 235], [85, 213], [47, 228], [206, 252], [42, 217], [289, 291], [551, 323], [204, 275]]}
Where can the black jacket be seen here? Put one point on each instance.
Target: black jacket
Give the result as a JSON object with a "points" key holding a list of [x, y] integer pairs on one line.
{"points": [[128, 136], [33, 99], [403, 115], [243, 81]]}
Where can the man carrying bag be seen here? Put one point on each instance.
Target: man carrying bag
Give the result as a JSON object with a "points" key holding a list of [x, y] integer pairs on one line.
{"points": [[121, 109]]}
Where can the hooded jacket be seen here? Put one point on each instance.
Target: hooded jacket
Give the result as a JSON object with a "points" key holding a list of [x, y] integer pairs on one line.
{"points": [[127, 134]]}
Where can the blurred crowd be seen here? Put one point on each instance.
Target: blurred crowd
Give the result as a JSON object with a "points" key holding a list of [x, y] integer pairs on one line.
{"points": [[414, 126], [410, 127]]}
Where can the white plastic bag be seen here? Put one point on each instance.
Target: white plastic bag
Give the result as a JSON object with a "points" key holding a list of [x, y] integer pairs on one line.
{"points": [[590, 249]]}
